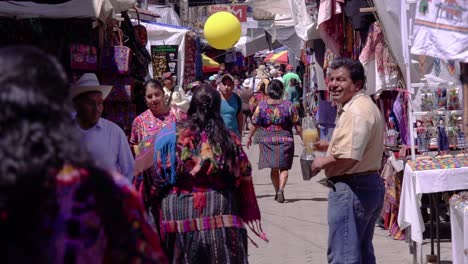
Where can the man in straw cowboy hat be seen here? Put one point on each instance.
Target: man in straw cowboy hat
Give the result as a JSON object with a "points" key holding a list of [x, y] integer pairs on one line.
{"points": [[104, 140]]}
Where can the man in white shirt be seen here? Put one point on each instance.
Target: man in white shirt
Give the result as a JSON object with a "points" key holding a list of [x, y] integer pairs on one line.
{"points": [[104, 140]]}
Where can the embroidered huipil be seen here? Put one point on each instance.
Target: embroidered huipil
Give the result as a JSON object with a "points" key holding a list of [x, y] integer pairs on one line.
{"points": [[146, 124], [80, 232], [187, 163]]}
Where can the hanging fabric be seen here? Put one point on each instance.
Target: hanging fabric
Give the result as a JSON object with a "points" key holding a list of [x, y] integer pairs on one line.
{"points": [[441, 29]]}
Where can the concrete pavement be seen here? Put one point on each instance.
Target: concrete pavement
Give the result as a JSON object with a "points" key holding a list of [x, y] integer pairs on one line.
{"points": [[298, 228]]}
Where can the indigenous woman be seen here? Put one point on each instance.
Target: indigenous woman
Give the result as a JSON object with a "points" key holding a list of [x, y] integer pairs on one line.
{"points": [[144, 129], [203, 179], [276, 117]]}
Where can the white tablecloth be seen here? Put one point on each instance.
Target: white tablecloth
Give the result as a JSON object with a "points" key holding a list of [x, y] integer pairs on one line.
{"points": [[415, 183], [459, 226]]}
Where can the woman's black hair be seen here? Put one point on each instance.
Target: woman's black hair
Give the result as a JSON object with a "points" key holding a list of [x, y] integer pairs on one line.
{"points": [[37, 140], [157, 85], [275, 89], [153, 83], [204, 115], [261, 87]]}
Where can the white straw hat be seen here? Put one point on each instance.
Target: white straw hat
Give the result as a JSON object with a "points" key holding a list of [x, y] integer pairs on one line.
{"points": [[89, 83], [246, 83]]}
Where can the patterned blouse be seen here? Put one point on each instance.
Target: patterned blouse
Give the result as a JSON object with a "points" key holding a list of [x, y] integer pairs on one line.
{"points": [[146, 124], [186, 161], [80, 233], [196, 156], [276, 120]]}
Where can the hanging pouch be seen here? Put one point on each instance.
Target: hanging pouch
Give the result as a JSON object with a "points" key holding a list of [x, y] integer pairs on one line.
{"points": [[116, 59]]}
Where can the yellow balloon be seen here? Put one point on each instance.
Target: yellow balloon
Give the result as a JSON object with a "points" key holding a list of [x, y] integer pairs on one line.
{"points": [[222, 30]]}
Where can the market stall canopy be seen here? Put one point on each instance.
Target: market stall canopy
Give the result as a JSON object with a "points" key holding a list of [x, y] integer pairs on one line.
{"points": [[268, 57], [253, 42], [167, 14], [280, 57], [272, 6], [98, 9], [209, 64], [163, 34], [390, 17], [289, 13]]}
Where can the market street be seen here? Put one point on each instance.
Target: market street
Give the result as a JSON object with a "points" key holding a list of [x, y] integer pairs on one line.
{"points": [[298, 228]]}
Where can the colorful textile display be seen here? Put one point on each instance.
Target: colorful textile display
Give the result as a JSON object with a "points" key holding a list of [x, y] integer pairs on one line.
{"points": [[439, 163], [118, 106], [440, 29], [393, 180]]}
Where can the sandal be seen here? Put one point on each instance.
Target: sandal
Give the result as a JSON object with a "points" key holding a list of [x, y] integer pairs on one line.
{"points": [[280, 196]]}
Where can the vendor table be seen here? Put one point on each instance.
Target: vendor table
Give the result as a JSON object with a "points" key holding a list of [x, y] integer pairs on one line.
{"points": [[428, 176], [459, 227]]}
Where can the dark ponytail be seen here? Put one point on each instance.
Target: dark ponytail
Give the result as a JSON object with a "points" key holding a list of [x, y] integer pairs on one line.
{"points": [[204, 115]]}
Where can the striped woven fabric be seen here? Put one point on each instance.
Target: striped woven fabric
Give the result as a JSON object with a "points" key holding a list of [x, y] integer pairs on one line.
{"points": [[203, 227], [202, 224], [275, 139], [276, 155]]}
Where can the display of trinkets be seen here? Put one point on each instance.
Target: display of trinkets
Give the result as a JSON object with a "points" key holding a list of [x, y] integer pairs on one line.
{"points": [[442, 140], [437, 124], [441, 97], [453, 102], [444, 96], [422, 138], [427, 99], [392, 134]]}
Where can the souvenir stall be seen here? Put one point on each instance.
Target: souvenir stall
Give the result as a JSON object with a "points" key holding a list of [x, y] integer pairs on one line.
{"points": [[433, 35], [371, 35], [104, 37]]}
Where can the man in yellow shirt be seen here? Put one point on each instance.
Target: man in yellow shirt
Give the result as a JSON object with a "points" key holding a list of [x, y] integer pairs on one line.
{"points": [[352, 163]]}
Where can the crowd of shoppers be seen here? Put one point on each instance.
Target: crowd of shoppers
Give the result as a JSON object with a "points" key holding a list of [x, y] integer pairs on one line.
{"points": [[66, 175]]}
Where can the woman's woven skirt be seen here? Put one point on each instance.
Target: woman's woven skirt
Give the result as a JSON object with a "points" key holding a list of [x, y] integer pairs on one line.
{"points": [[203, 227], [276, 155]]}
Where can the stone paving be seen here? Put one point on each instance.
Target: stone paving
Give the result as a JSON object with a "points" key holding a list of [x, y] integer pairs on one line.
{"points": [[298, 228]]}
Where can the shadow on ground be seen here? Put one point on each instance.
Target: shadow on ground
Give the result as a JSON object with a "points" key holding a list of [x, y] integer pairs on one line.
{"points": [[265, 196], [307, 199]]}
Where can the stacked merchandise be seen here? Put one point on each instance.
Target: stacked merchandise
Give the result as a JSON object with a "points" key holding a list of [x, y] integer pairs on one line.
{"points": [[437, 163], [393, 181]]}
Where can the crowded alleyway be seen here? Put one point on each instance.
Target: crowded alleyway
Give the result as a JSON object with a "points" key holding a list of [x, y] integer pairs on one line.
{"points": [[298, 228]]}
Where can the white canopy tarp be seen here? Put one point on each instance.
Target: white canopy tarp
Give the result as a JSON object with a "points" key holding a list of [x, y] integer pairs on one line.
{"points": [[271, 6], [306, 28], [100, 9], [390, 17], [254, 41], [163, 34], [289, 13], [288, 37], [168, 14]]}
